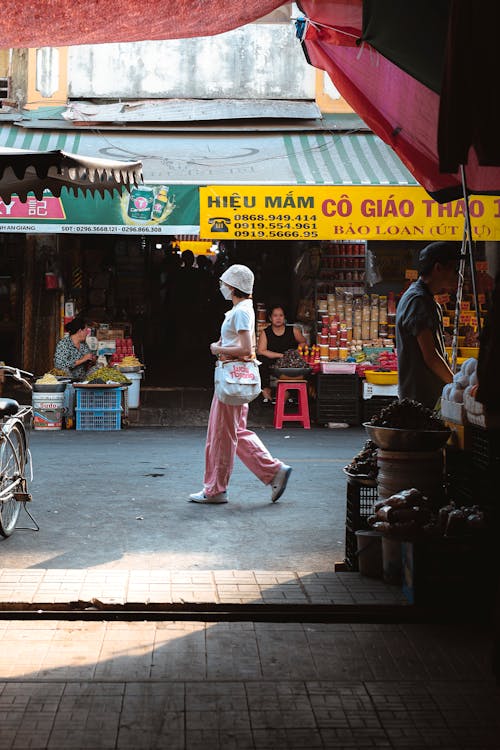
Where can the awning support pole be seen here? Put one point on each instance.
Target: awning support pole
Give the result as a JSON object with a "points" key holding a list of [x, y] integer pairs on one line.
{"points": [[458, 303], [469, 241]]}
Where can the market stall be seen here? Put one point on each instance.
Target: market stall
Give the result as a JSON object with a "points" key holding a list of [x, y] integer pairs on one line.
{"points": [[352, 325], [421, 505]]}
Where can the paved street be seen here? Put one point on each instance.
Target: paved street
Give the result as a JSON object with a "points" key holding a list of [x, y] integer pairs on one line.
{"points": [[117, 500], [115, 526], [246, 686]]}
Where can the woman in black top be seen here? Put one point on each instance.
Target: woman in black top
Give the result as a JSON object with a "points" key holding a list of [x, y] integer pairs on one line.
{"points": [[273, 342]]}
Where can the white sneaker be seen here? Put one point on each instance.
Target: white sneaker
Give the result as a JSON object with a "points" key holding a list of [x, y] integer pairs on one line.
{"points": [[278, 485], [200, 497]]}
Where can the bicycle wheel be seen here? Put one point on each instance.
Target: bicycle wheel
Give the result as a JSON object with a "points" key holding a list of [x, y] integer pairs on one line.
{"points": [[12, 462]]}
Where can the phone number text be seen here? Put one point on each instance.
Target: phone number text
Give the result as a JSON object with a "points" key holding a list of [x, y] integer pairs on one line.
{"points": [[274, 225]]}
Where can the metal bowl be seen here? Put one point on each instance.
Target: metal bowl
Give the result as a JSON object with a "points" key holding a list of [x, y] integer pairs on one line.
{"points": [[49, 387], [397, 439], [292, 372]]}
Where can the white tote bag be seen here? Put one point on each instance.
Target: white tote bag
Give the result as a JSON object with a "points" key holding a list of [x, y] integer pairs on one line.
{"points": [[237, 383]]}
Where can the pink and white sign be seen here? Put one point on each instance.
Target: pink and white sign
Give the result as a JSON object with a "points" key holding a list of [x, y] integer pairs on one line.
{"points": [[47, 208]]}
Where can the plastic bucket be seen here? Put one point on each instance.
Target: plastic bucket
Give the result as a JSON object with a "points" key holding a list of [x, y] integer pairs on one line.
{"points": [[48, 410], [369, 553], [134, 390], [402, 470], [392, 561]]}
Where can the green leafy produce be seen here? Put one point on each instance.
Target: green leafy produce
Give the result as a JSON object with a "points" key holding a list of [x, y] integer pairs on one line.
{"points": [[103, 374]]}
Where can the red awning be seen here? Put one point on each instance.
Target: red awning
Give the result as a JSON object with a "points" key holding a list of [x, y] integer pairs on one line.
{"points": [[59, 22], [399, 107]]}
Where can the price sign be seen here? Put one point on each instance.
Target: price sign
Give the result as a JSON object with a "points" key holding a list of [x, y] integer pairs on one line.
{"points": [[442, 299], [411, 274], [465, 306], [468, 318], [446, 322]]}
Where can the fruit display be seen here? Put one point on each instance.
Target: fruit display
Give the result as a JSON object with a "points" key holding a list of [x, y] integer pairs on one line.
{"points": [[453, 521], [403, 515], [407, 515], [108, 375], [291, 358], [408, 415], [364, 464], [123, 348], [462, 380]]}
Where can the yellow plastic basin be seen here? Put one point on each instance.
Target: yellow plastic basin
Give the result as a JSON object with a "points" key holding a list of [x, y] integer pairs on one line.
{"points": [[382, 378]]}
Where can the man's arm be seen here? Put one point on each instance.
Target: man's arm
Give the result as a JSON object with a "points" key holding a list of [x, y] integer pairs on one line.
{"points": [[432, 358]]}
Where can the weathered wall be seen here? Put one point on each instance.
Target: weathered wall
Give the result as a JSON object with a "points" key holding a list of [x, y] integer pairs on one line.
{"points": [[4, 62], [258, 61], [19, 75]]}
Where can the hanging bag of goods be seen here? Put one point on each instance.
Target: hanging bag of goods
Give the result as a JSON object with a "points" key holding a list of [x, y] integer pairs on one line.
{"points": [[237, 383]]}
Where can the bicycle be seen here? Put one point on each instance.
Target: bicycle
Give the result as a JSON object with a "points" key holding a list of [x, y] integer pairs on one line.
{"points": [[15, 456]]}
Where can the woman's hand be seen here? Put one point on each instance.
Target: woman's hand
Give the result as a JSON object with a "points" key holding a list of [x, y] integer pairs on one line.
{"points": [[89, 357]]}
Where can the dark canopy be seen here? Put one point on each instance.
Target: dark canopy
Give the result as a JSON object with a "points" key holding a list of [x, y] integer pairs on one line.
{"points": [[23, 172], [420, 75]]}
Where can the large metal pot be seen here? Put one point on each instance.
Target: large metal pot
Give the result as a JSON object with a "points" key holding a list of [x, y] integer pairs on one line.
{"points": [[397, 439]]}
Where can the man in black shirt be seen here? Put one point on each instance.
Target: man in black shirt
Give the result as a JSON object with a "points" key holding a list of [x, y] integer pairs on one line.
{"points": [[422, 364]]}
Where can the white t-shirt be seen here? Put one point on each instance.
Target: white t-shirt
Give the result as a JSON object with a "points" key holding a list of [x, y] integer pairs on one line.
{"points": [[241, 317]]}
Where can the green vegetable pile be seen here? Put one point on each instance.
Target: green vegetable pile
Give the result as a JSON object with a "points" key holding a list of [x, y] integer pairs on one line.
{"points": [[103, 374]]}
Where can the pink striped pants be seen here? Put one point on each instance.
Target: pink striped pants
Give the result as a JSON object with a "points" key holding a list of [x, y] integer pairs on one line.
{"points": [[227, 436]]}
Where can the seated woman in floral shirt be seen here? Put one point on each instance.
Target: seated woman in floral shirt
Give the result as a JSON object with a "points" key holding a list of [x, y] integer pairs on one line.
{"points": [[72, 353]]}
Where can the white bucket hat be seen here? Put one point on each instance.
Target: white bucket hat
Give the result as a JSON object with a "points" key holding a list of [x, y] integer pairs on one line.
{"points": [[240, 277]]}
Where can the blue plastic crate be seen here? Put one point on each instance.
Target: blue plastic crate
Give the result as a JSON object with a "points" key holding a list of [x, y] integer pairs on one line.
{"points": [[98, 399], [98, 420]]}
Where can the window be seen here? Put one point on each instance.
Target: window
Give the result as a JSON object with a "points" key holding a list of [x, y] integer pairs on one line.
{"points": [[4, 88]]}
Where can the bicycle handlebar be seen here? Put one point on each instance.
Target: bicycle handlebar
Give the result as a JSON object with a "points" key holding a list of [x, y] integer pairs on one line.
{"points": [[15, 372]]}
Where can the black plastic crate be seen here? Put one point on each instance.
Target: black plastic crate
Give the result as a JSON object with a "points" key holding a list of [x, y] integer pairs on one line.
{"points": [[346, 410], [351, 549], [484, 448], [338, 387], [459, 474], [374, 405], [467, 484], [361, 496], [474, 490]]}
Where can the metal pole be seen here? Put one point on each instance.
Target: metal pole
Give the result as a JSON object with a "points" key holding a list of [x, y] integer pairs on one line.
{"points": [[458, 303], [471, 257]]}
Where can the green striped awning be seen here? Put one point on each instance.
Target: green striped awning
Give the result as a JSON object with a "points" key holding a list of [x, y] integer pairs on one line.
{"points": [[255, 158], [39, 140], [345, 159]]}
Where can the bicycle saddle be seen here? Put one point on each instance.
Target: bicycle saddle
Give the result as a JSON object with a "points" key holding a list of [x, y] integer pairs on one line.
{"points": [[8, 407]]}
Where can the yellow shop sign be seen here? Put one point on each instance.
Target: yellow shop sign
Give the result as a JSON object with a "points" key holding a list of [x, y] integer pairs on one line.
{"points": [[318, 212]]}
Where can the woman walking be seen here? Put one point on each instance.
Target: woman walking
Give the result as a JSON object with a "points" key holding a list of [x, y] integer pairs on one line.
{"points": [[227, 433]]}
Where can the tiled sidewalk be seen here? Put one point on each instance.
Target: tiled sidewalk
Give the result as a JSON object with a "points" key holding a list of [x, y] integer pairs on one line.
{"points": [[36, 586], [245, 686]]}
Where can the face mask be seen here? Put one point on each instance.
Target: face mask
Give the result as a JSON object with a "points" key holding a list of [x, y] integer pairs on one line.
{"points": [[226, 291]]}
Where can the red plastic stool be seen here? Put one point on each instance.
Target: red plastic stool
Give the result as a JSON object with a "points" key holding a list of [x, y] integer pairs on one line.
{"points": [[279, 410]]}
